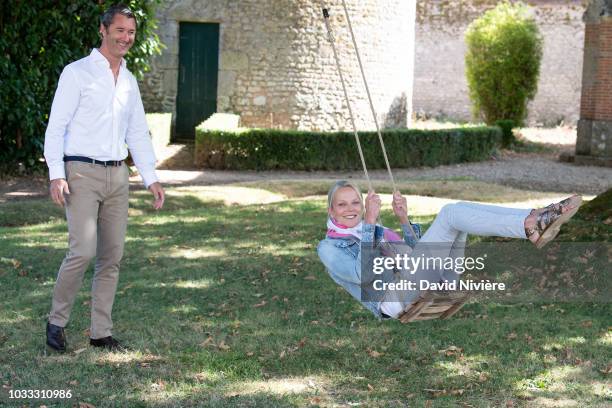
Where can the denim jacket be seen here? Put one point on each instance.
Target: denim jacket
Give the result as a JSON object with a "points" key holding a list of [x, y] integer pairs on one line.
{"points": [[342, 258]]}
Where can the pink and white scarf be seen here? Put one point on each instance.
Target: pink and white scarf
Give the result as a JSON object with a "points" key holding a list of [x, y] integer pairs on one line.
{"points": [[337, 230]]}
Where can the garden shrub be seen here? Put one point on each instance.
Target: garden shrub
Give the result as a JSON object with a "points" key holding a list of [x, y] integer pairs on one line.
{"points": [[506, 127], [37, 39], [504, 51], [267, 149]]}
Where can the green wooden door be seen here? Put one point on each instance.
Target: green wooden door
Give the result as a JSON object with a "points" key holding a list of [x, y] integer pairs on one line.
{"points": [[197, 80]]}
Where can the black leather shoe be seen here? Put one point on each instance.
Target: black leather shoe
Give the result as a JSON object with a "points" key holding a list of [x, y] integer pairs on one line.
{"points": [[109, 343], [56, 338]]}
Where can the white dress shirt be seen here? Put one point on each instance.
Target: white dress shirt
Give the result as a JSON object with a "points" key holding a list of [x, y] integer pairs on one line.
{"points": [[95, 117]]}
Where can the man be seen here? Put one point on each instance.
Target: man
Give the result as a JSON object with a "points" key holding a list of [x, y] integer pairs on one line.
{"points": [[96, 111]]}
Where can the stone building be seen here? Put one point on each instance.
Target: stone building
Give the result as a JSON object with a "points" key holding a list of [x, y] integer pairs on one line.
{"points": [[270, 62]]}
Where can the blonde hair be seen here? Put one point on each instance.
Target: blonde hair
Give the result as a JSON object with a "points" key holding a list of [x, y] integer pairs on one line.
{"points": [[337, 186]]}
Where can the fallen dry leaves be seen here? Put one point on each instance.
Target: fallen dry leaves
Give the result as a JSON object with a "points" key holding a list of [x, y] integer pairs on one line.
{"points": [[483, 377], [206, 342], [11, 261], [606, 370], [158, 385], [293, 348], [210, 342], [451, 351], [444, 392]]}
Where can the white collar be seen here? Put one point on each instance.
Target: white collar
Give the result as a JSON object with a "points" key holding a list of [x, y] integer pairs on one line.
{"points": [[97, 57]]}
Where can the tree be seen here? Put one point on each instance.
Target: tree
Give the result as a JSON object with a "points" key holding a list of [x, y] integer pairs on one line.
{"points": [[37, 39], [504, 51]]}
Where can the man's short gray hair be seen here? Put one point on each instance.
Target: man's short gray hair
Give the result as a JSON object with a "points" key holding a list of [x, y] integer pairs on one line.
{"points": [[107, 18], [337, 186]]}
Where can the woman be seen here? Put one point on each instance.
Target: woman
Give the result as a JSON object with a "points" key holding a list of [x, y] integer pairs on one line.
{"points": [[351, 230]]}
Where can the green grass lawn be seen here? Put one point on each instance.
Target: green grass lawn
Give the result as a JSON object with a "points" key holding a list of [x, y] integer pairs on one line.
{"points": [[227, 305]]}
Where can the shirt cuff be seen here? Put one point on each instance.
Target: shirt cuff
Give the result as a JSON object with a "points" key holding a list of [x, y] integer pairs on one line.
{"points": [[57, 172], [367, 231], [408, 235], [148, 177]]}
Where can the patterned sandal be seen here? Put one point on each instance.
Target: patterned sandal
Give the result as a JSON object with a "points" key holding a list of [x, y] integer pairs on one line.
{"points": [[550, 220]]}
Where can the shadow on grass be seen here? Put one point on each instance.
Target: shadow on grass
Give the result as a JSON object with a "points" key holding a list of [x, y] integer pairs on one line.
{"points": [[222, 303]]}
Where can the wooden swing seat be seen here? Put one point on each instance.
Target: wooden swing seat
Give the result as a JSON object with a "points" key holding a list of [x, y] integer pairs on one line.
{"points": [[434, 305]]}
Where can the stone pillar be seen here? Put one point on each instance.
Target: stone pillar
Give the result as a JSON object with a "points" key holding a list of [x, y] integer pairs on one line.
{"points": [[594, 141]]}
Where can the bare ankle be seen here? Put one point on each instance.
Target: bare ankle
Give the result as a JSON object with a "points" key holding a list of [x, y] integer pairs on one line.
{"points": [[530, 220]]}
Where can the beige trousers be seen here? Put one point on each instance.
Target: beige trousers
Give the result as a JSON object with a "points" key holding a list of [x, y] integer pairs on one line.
{"points": [[96, 211]]}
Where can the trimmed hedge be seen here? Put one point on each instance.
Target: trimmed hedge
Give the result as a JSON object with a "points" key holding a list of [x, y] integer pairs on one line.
{"points": [[266, 149], [506, 126]]}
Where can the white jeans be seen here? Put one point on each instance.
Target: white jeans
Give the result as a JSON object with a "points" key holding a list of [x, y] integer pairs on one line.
{"points": [[447, 236]]}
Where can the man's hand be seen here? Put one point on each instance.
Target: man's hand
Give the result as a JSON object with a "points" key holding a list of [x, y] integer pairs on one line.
{"points": [[372, 207], [400, 207], [158, 195], [57, 189]]}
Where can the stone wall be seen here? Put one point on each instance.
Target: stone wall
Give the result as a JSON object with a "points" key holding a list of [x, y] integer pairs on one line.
{"points": [[276, 67], [440, 86]]}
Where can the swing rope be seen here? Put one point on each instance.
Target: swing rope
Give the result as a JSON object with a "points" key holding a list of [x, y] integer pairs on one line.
{"points": [[330, 38], [367, 88], [380, 139]]}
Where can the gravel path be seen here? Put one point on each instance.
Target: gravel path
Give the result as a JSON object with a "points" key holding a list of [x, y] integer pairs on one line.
{"points": [[526, 171], [541, 172], [530, 172]]}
